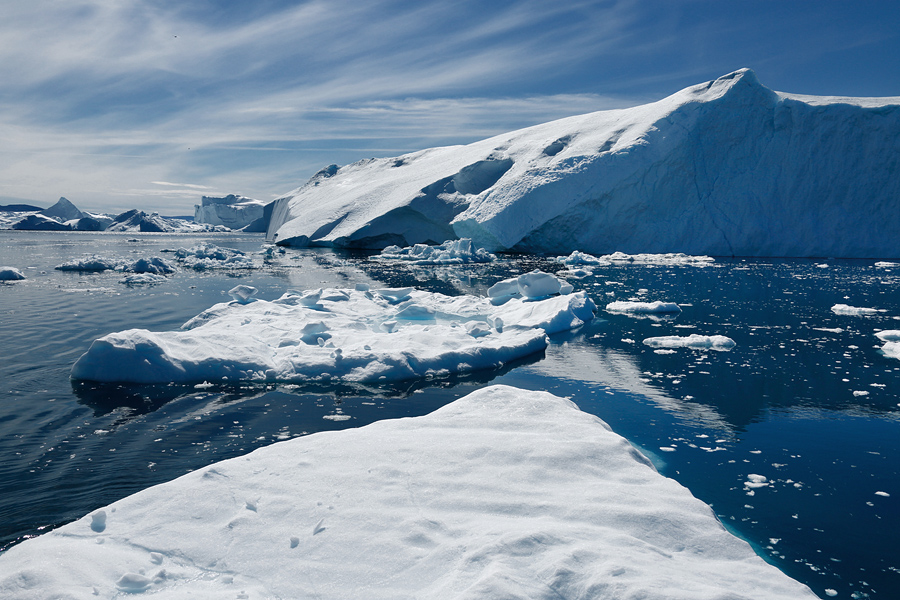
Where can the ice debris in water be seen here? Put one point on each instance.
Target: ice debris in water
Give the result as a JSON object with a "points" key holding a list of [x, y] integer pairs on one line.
{"points": [[208, 256], [533, 285], [346, 334], [451, 252], [142, 279], [494, 495], [10, 274], [695, 341], [891, 339], [854, 311], [643, 307], [155, 265], [91, 263], [582, 258]]}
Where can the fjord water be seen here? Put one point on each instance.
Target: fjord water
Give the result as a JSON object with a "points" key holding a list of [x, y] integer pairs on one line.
{"points": [[805, 399]]}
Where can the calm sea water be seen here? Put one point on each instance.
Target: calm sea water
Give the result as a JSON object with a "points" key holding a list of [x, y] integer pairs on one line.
{"points": [[805, 399]]}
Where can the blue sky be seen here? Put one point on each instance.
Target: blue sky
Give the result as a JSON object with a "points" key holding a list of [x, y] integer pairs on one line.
{"points": [[150, 104]]}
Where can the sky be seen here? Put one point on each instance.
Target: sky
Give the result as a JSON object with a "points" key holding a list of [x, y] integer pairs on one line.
{"points": [[151, 104]]}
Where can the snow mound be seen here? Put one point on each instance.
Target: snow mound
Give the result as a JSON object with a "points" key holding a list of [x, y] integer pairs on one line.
{"points": [[695, 341], [643, 307], [451, 252], [10, 274], [723, 168], [335, 335], [854, 311], [504, 493]]}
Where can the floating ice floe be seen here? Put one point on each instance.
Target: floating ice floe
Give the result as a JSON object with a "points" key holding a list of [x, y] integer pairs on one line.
{"points": [[143, 279], [675, 258], [891, 339], [10, 274], [504, 493], [533, 285], [854, 311], [155, 265], [639, 308], [886, 264], [336, 335], [451, 252], [699, 342], [208, 256], [91, 264], [578, 258]]}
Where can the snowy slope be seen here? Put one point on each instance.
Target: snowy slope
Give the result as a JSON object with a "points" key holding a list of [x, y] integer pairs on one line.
{"points": [[722, 168], [505, 493]]}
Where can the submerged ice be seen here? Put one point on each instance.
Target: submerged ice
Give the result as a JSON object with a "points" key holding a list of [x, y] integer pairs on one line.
{"points": [[349, 335]]}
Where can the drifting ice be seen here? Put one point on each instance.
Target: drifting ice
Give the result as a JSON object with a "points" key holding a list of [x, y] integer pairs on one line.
{"points": [[695, 341], [335, 334]]}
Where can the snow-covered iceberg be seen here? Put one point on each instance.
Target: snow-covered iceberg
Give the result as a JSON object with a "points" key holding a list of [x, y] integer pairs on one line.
{"points": [[336, 335], [504, 493], [723, 168], [232, 211]]}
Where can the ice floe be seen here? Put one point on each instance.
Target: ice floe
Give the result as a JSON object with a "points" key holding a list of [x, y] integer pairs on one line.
{"points": [[504, 493], [535, 284], [695, 341], [633, 307], [854, 311], [451, 252], [344, 335], [10, 274], [891, 339], [203, 257]]}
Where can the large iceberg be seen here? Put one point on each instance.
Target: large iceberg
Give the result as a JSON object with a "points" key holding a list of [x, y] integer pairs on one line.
{"points": [[336, 335], [232, 211], [504, 493], [723, 168]]}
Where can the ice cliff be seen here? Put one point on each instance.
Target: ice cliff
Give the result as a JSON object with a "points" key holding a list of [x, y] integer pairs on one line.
{"points": [[234, 212], [723, 168]]}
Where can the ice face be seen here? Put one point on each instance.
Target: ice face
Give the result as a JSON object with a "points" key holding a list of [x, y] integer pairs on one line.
{"points": [[724, 168]]}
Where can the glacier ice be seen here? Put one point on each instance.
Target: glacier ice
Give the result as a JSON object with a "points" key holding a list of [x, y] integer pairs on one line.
{"points": [[724, 168]]}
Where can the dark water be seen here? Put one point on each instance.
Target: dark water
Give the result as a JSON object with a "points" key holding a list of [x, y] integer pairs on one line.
{"points": [[781, 404]]}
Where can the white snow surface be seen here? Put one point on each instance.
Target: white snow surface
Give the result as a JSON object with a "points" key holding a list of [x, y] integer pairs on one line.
{"points": [[724, 168], [331, 335], [451, 252], [504, 493], [695, 341], [658, 306], [10, 274]]}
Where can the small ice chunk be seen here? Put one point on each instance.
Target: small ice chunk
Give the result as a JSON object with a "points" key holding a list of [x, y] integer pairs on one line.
{"points": [[643, 307], [505, 288], [538, 284], [884, 494], [699, 342], [395, 295], [10, 274], [854, 311], [98, 521], [860, 393], [889, 335], [243, 294]]}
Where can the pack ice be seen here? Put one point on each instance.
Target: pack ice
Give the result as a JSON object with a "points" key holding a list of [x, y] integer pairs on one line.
{"points": [[724, 168], [504, 493], [348, 335]]}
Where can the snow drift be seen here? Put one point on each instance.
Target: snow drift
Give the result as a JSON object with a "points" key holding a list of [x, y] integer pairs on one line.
{"points": [[504, 493], [723, 168]]}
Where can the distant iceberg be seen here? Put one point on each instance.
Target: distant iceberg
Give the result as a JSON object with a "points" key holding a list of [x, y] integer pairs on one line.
{"points": [[504, 493], [232, 211], [724, 168]]}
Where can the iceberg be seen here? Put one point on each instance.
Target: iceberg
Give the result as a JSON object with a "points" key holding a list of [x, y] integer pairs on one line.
{"points": [[504, 493], [335, 335], [451, 252], [724, 168], [232, 211], [855, 311], [633, 307]]}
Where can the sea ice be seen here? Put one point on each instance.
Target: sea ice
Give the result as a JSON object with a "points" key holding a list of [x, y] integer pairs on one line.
{"points": [[10, 274], [891, 339], [854, 311], [643, 307], [92, 263], [695, 341], [451, 252], [209, 256], [504, 493], [533, 285], [336, 334]]}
